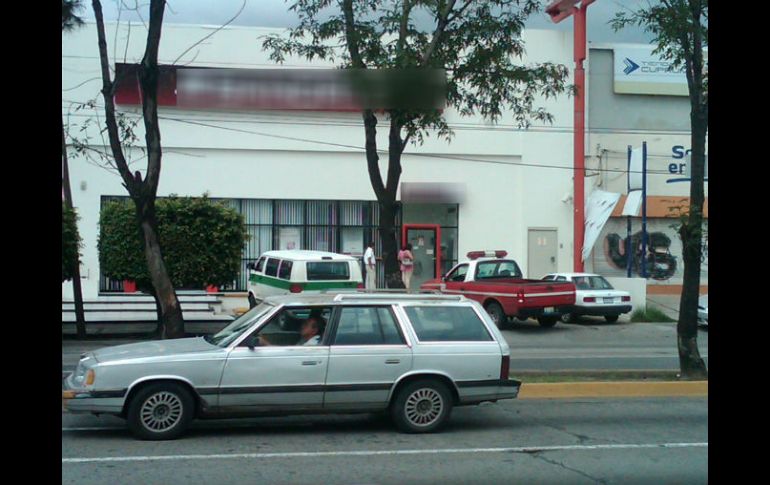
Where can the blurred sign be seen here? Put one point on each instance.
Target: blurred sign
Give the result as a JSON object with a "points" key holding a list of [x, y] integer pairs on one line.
{"points": [[639, 71], [433, 192], [288, 89]]}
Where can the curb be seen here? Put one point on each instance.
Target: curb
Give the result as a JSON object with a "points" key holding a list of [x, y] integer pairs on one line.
{"points": [[560, 390]]}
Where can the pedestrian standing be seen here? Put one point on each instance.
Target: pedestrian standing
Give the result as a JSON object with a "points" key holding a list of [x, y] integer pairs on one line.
{"points": [[406, 258], [371, 267]]}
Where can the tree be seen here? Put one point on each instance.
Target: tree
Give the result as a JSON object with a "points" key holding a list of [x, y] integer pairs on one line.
{"points": [[70, 21], [202, 242], [475, 41], [680, 30], [70, 243], [143, 191]]}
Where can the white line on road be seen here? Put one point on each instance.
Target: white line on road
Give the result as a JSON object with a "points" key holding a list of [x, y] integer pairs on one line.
{"points": [[319, 454]]}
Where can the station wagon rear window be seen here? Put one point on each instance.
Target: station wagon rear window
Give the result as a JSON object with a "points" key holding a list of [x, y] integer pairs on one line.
{"points": [[328, 270], [447, 324]]}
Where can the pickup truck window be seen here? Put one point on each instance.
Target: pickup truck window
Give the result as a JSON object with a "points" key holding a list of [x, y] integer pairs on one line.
{"points": [[447, 324], [458, 274], [497, 269]]}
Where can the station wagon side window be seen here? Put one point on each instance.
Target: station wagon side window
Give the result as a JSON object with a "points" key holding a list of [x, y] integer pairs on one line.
{"points": [[561, 278], [284, 272], [261, 263], [458, 274], [549, 277], [367, 325], [447, 324], [271, 268]]}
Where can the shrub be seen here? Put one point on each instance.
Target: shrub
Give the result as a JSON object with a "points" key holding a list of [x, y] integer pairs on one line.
{"points": [[70, 242], [202, 242]]}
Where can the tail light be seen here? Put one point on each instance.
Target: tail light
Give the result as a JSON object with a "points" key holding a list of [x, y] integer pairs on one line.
{"points": [[505, 367], [295, 288], [520, 297], [589, 299], [626, 298]]}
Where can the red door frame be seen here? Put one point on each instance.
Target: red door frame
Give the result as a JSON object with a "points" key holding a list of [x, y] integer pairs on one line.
{"points": [[435, 227]]}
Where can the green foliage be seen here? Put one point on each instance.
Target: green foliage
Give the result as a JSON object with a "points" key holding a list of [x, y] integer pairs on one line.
{"points": [[69, 19], [202, 242], [650, 314], [478, 47], [70, 242]]}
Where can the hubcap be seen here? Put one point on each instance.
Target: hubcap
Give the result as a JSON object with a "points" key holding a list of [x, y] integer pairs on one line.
{"points": [[161, 412], [423, 407]]}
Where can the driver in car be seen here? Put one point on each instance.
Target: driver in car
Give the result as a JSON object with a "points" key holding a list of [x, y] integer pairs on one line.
{"points": [[309, 333]]}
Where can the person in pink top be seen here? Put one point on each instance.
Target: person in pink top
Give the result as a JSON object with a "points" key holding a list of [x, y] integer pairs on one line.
{"points": [[407, 264]]}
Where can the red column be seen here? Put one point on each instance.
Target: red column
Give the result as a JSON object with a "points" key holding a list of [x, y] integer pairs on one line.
{"points": [[579, 140]]}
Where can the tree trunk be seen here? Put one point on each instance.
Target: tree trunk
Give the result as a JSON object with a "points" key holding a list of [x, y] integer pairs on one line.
{"points": [[389, 239], [165, 296], [80, 318]]}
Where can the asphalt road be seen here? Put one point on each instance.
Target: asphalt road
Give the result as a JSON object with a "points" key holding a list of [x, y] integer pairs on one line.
{"points": [[594, 344], [624, 441], [590, 344]]}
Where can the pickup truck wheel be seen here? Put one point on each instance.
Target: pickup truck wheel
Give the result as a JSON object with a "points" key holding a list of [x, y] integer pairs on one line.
{"points": [[160, 411], [422, 406], [546, 322], [252, 301], [612, 318], [498, 315]]}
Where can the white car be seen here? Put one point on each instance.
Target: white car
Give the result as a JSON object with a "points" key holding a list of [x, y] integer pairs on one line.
{"points": [[703, 310], [594, 296]]}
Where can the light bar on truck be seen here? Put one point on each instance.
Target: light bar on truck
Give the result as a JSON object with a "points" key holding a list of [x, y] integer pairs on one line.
{"points": [[487, 254]]}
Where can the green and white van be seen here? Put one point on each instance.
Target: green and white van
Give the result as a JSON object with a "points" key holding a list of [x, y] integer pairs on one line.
{"points": [[297, 271]]}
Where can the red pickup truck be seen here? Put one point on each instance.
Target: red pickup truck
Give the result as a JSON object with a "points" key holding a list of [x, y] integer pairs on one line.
{"points": [[497, 284]]}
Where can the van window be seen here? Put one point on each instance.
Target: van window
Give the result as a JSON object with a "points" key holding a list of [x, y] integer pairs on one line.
{"points": [[447, 324], [328, 270], [285, 271], [261, 263], [271, 268]]}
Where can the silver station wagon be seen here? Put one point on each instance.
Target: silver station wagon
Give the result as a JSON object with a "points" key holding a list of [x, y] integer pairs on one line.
{"points": [[413, 356]]}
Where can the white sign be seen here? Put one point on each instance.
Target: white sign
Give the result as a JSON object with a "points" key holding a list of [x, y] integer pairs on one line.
{"points": [[636, 169], [633, 203], [599, 207], [638, 71]]}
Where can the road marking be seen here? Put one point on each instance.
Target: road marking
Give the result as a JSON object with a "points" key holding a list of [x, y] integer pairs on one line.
{"points": [[600, 389], [320, 454]]}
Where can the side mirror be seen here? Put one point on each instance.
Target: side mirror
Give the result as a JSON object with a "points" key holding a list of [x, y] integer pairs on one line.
{"points": [[443, 278], [252, 266]]}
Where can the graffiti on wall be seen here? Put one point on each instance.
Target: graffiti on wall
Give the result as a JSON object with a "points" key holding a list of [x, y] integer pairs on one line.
{"points": [[663, 257], [659, 263]]}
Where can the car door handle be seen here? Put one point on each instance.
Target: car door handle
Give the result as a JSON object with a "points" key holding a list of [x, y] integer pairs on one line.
{"points": [[311, 362], [393, 361]]}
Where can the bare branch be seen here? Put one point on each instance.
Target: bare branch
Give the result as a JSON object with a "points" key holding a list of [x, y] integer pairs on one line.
{"points": [[214, 32]]}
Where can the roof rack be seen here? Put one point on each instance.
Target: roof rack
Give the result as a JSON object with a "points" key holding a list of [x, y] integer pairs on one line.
{"points": [[398, 295]]}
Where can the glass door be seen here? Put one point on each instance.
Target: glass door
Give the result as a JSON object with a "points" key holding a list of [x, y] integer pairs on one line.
{"points": [[426, 248]]}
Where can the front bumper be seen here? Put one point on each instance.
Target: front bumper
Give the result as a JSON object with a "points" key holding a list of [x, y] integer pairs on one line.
{"points": [[77, 400]]}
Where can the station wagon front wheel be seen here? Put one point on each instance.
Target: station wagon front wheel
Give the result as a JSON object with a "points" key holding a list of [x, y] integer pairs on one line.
{"points": [[422, 406], [160, 411]]}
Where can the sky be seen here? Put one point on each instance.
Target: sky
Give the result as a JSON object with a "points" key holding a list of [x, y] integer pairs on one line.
{"points": [[275, 13]]}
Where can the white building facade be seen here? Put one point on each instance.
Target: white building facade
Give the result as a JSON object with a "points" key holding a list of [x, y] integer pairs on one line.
{"points": [[300, 177]]}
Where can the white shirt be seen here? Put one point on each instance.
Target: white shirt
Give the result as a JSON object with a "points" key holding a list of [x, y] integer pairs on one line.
{"points": [[314, 340], [369, 257]]}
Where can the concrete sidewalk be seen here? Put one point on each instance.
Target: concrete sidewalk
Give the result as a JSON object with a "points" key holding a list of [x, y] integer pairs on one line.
{"points": [[668, 304]]}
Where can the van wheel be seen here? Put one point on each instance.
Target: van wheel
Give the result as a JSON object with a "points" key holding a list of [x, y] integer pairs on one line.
{"points": [[252, 301], [160, 411], [498, 315], [546, 322], [422, 406]]}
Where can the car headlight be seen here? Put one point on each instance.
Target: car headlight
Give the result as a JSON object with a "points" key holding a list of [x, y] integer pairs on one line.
{"points": [[83, 373]]}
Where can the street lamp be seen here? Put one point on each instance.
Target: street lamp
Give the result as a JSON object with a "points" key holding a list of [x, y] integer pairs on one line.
{"points": [[558, 11]]}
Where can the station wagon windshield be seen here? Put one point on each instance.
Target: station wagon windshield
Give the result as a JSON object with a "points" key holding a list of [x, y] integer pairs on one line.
{"points": [[231, 332]]}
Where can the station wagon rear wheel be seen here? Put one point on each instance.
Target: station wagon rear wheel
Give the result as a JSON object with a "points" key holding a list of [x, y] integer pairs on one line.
{"points": [[612, 318], [546, 322], [422, 406], [160, 411]]}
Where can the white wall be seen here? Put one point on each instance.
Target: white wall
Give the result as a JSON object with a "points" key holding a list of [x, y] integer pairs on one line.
{"points": [[230, 155]]}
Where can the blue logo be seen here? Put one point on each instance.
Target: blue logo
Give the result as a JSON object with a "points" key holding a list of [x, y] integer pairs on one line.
{"points": [[631, 66]]}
